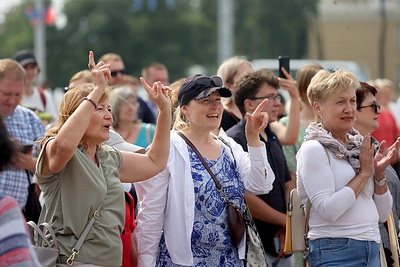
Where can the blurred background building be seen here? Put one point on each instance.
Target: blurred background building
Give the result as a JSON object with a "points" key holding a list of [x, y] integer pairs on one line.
{"points": [[365, 31]]}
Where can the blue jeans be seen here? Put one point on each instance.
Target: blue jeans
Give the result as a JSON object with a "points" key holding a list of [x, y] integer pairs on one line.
{"points": [[343, 252]]}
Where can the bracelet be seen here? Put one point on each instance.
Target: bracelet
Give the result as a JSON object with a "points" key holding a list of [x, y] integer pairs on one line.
{"points": [[381, 182], [91, 101]]}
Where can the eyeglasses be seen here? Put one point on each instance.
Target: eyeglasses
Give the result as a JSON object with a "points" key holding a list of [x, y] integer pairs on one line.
{"points": [[214, 81], [375, 105], [115, 72], [271, 98]]}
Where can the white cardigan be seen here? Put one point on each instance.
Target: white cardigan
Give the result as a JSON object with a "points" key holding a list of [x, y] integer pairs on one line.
{"points": [[167, 200]]}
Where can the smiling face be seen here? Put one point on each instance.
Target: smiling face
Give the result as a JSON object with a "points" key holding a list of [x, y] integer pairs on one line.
{"points": [[205, 113], [337, 112], [367, 118], [99, 125]]}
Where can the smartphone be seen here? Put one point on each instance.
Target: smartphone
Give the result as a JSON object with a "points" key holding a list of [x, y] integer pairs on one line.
{"points": [[277, 244], [26, 148], [284, 61]]}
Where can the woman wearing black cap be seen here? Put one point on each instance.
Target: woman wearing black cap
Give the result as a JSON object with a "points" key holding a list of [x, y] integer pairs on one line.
{"points": [[183, 216]]}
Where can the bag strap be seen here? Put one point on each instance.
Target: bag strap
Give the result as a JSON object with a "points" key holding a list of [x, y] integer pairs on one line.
{"points": [[192, 146], [308, 205], [217, 183], [84, 234]]}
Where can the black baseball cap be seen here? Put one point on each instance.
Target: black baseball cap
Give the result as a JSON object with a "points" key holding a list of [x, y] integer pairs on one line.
{"points": [[200, 86], [25, 57]]}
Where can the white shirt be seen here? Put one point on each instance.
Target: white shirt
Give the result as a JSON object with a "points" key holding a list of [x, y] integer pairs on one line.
{"points": [[335, 211], [35, 101], [167, 200]]}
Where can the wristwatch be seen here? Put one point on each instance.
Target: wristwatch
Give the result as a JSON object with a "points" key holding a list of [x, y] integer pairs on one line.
{"points": [[381, 182]]}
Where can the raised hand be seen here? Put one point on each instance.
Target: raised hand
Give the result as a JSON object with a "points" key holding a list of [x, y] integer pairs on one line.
{"points": [[289, 84], [100, 71], [159, 93], [257, 121]]}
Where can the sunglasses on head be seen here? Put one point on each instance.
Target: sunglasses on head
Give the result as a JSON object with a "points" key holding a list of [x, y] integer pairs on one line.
{"points": [[214, 81], [375, 105], [115, 72]]}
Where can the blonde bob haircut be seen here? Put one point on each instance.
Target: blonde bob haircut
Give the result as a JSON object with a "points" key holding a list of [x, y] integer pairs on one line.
{"points": [[325, 84], [69, 103]]}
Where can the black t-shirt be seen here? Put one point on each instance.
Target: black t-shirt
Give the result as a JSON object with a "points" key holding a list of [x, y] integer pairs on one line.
{"points": [[276, 197], [228, 120], [145, 114]]}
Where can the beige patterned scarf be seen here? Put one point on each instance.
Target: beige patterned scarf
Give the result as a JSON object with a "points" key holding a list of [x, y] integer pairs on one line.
{"points": [[349, 151]]}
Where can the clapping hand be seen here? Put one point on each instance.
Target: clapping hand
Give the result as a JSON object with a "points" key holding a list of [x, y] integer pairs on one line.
{"points": [[385, 156], [100, 71], [159, 93], [367, 156]]}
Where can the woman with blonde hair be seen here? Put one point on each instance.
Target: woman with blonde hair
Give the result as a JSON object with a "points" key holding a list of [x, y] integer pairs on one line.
{"points": [[183, 216], [347, 188], [80, 177]]}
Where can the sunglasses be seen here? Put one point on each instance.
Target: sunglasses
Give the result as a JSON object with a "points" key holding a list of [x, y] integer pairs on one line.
{"points": [[115, 72], [214, 81], [375, 105]]}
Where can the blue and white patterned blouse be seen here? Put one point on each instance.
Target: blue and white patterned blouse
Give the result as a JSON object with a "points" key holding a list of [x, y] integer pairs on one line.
{"points": [[211, 242]]}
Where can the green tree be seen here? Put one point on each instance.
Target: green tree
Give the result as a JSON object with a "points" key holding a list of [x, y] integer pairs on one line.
{"points": [[269, 28], [179, 37]]}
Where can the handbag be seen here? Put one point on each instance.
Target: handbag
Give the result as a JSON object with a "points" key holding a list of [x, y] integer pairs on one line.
{"points": [[255, 253], [235, 216], [44, 241], [297, 216], [32, 207]]}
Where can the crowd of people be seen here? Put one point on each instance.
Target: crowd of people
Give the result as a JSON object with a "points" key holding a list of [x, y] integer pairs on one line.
{"points": [[157, 173]]}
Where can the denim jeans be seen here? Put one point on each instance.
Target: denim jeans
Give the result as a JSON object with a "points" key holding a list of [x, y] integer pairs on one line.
{"points": [[343, 252]]}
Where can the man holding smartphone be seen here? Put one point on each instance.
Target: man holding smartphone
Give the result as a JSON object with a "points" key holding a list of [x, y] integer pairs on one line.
{"points": [[24, 127]]}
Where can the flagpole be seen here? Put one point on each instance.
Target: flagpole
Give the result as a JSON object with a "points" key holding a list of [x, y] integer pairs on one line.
{"points": [[40, 42]]}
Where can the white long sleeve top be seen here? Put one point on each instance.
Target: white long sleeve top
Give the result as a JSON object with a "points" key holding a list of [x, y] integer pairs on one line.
{"points": [[335, 211], [167, 200]]}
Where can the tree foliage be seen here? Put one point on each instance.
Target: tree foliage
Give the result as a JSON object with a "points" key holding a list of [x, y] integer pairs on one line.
{"points": [[179, 37]]}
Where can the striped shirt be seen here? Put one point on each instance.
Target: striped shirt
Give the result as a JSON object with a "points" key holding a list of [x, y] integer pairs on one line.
{"points": [[15, 245], [24, 125]]}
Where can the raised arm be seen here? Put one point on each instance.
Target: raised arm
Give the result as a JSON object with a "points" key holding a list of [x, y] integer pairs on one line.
{"points": [[288, 135], [255, 123], [60, 150], [137, 167]]}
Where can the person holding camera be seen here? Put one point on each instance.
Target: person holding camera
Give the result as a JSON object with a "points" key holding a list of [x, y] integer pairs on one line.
{"points": [[183, 217]]}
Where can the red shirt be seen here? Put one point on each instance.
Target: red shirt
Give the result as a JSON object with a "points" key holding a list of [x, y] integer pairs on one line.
{"points": [[387, 128]]}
